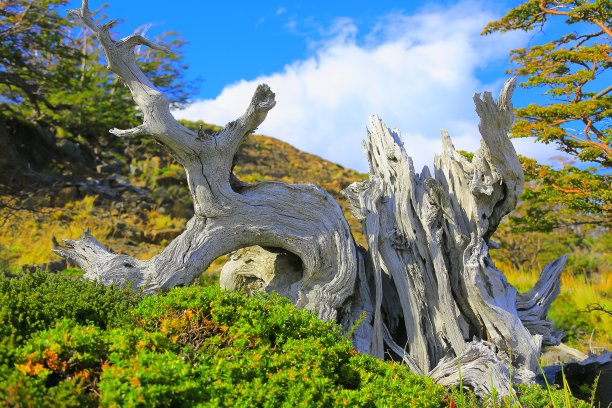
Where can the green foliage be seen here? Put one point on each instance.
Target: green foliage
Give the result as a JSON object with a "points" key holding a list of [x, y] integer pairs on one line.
{"points": [[149, 378], [569, 197], [571, 72], [38, 312], [34, 50], [534, 396], [52, 72], [33, 302], [390, 384], [195, 345], [263, 352], [568, 68], [572, 188], [57, 364]]}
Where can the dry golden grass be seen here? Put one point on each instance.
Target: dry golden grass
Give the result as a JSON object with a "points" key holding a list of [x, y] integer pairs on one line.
{"points": [[27, 238], [587, 330]]}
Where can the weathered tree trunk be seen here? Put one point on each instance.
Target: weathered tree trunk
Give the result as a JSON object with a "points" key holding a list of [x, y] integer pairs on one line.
{"points": [[229, 215], [436, 288], [431, 293]]}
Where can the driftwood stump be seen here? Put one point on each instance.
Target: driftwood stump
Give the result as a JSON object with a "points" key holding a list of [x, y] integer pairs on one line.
{"points": [[432, 295]]}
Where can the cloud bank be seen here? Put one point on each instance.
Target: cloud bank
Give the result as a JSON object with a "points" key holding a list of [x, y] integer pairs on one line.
{"points": [[417, 72]]}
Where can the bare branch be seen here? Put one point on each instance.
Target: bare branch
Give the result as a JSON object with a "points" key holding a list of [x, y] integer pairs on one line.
{"points": [[137, 131], [596, 307], [109, 24], [137, 39], [85, 14], [261, 103]]}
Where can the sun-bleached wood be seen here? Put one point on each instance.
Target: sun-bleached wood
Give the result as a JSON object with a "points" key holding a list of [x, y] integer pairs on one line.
{"points": [[428, 235], [436, 289], [425, 291], [480, 367], [532, 306], [301, 219]]}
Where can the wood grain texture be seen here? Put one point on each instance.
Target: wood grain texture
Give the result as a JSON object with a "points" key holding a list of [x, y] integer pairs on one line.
{"points": [[436, 289], [301, 219]]}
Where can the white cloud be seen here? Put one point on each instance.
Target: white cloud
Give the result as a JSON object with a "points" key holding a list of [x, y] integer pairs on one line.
{"points": [[417, 72]]}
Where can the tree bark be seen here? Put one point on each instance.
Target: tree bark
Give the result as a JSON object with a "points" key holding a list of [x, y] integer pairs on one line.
{"points": [[429, 236], [431, 294]]}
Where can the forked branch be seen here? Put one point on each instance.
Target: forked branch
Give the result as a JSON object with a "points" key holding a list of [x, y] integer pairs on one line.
{"points": [[301, 219], [155, 107]]}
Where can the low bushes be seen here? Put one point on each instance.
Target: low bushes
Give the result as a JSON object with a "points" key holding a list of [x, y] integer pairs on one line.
{"points": [[66, 342]]}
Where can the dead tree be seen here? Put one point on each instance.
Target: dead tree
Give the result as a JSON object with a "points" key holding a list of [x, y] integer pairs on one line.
{"points": [[431, 293]]}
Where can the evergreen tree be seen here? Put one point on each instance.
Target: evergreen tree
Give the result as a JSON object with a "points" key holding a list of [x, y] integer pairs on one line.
{"points": [[36, 56], [574, 73], [52, 72]]}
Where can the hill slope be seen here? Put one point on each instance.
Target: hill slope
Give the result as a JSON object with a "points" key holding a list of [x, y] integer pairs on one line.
{"points": [[133, 196]]}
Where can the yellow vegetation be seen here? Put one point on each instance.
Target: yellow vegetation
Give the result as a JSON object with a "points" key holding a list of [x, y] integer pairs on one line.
{"points": [[27, 238], [587, 329]]}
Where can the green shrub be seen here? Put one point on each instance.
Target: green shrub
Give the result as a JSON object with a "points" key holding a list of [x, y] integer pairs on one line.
{"points": [[34, 301], [389, 384], [534, 396], [525, 396], [194, 346], [20, 390], [59, 365], [148, 379], [261, 351]]}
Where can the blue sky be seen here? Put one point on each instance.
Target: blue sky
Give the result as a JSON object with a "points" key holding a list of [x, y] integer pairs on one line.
{"points": [[332, 63]]}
